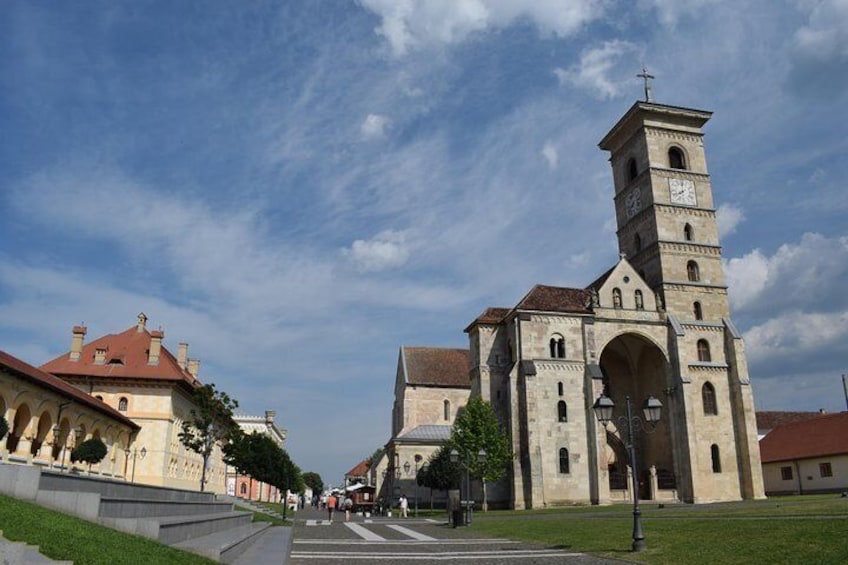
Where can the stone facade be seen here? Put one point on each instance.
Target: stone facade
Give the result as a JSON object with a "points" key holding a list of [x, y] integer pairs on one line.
{"points": [[656, 324], [245, 486]]}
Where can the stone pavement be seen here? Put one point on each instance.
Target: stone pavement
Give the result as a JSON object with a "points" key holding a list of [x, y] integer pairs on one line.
{"points": [[316, 541]]}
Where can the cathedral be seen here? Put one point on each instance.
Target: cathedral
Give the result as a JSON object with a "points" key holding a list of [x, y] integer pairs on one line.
{"points": [[656, 325]]}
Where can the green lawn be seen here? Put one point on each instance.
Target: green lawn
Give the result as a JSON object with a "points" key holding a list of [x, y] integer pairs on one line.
{"points": [[809, 529], [64, 537]]}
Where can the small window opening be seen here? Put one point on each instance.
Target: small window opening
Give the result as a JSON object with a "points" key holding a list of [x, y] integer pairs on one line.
{"points": [[708, 397], [676, 159], [632, 170], [616, 298], [562, 411], [704, 351], [123, 403], [692, 271], [696, 309], [640, 302], [563, 461], [716, 458]]}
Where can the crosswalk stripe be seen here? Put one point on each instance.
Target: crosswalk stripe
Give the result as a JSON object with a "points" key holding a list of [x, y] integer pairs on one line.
{"points": [[411, 533], [363, 532], [406, 542], [452, 556]]}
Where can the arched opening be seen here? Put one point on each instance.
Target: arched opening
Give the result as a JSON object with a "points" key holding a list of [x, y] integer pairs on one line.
{"points": [[692, 271], [616, 298], [688, 232], [562, 411], [22, 416], [447, 410], [123, 404], [557, 347], [704, 351], [637, 243], [563, 461], [676, 159], [696, 309], [45, 423], [640, 301], [708, 399], [632, 169], [637, 368], [560, 390], [716, 458]]}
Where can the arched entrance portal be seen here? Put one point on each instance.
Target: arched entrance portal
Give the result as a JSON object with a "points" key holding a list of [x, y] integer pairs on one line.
{"points": [[634, 367]]}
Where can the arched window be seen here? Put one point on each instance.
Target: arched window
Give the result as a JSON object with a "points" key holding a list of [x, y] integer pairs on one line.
{"points": [[640, 301], [688, 232], [98, 397], [632, 170], [447, 410], [704, 351], [708, 397], [676, 159], [637, 242], [616, 298], [562, 411], [123, 404], [692, 271], [560, 390], [696, 309], [714, 454], [563, 461], [557, 346], [243, 489]]}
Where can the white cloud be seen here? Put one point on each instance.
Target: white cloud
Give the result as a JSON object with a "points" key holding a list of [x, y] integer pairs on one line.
{"points": [[386, 250], [670, 12], [747, 277], [728, 217], [826, 34], [596, 67], [550, 154], [410, 24], [374, 126]]}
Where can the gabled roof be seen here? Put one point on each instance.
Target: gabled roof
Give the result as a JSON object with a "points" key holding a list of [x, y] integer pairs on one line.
{"points": [[435, 366], [360, 470], [556, 299], [45, 380], [818, 437], [126, 357], [490, 316]]}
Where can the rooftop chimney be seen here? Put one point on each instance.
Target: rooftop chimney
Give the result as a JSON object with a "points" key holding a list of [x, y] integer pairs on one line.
{"points": [[99, 355], [155, 347], [269, 416], [76, 342], [194, 367], [142, 320], [182, 355]]}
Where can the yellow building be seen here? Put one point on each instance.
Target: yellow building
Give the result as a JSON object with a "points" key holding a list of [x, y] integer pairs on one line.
{"points": [[47, 418], [136, 375]]}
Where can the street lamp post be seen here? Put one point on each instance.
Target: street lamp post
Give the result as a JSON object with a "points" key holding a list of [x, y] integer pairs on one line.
{"points": [[651, 409], [466, 463], [417, 461], [135, 453]]}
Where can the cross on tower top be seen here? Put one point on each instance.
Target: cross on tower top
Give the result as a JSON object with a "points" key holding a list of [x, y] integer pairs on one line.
{"points": [[646, 77]]}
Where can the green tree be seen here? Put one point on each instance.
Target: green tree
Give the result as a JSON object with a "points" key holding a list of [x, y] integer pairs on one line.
{"points": [[210, 423], [313, 480], [4, 427], [439, 473], [476, 427], [91, 451], [375, 457]]}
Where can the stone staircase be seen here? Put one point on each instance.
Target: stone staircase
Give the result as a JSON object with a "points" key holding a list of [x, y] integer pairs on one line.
{"points": [[188, 520]]}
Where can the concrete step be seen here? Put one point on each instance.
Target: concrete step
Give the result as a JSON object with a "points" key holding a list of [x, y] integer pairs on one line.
{"points": [[138, 508], [226, 545], [174, 529], [14, 552], [117, 489]]}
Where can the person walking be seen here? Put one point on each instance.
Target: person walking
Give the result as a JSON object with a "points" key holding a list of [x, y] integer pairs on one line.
{"points": [[348, 505], [331, 505], [404, 506]]}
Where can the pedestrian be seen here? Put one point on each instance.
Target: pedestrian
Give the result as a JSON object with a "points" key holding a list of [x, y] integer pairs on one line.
{"points": [[404, 506], [348, 505], [331, 505]]}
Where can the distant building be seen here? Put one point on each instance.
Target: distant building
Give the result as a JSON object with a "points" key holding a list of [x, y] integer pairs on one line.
{"points": [[136, 375], [245, 486], [767, 420], [807, 456], [431, 386], [48, 418]]}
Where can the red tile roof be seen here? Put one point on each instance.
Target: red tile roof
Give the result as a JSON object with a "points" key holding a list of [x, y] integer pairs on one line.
{"points": [[818, 437], [38, 377], [768, 420], [490, 316], [437, 367], [556, 299], [126, 357], [360, 470]]}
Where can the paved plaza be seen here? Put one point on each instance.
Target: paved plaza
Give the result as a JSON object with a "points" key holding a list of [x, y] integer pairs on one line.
{"points": [[315, 540]]}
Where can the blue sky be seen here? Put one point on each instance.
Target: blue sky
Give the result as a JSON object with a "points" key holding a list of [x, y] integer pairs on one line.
{"points": [[299, 188]]}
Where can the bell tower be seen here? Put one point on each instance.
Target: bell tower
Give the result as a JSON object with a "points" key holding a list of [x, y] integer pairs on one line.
{"points": [[664, 207]]}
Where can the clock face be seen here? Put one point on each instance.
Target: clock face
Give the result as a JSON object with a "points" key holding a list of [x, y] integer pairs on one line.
{"points": [[682, 191], [633, 202]]}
